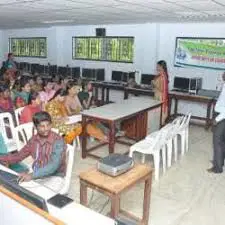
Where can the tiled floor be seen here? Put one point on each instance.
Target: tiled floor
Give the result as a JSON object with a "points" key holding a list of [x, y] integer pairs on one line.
{"points": [[185, 195]]}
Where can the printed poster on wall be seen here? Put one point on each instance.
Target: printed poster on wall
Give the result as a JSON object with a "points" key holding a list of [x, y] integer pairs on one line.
{"points": [[200, 52]]}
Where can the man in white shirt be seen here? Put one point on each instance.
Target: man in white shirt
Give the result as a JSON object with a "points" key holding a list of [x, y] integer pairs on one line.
{"points": [[219, 134]]}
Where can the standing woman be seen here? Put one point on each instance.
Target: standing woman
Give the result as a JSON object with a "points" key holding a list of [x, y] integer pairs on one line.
{"points": [[160, 87]]}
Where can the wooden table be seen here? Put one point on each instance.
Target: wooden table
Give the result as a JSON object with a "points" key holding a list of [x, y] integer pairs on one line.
{"points": [[135, 109], [105, 88], [137, 91], [113, 187], [209, 101]]}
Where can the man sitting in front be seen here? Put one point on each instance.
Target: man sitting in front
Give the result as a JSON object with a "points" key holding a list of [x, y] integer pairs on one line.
{"points": [[47, 149]]}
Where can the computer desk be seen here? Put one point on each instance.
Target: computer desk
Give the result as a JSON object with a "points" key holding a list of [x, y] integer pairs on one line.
{"points": [[71, 214]]}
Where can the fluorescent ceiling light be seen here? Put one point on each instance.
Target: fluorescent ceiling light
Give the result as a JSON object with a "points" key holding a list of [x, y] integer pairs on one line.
{"points": [[57, 21]]}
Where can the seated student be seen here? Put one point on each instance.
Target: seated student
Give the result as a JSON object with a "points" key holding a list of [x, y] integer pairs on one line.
{"points": [[47, 149], [85, 96], [57, 83], [34, 106], [6, 103], [47, 92], [21, 96], [72, 102], [73, 106], [56, 108], [37, 87]]}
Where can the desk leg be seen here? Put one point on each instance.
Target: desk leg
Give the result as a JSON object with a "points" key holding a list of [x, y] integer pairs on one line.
{"points": [[103, 95], [146, 204], [175, 107], [96, 93], [125, 94], [83, 194], [112, 134], [115, 206], [209, 108], [107, 95], [169, 106], [84, 137]]}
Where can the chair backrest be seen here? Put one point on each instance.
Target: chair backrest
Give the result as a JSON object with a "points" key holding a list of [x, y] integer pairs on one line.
{"points": [[17, 115], [24, 133], [7, 126], [69, 168], [185, 122]]}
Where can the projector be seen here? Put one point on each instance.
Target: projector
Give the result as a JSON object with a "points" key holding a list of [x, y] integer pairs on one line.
{"points": [[115, 164]]}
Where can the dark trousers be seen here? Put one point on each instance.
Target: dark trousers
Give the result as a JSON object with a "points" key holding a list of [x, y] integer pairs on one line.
{"points": [[219, 145]]}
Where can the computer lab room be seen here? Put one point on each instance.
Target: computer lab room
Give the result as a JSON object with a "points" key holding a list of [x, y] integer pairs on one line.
{"points": [[112, 112]]}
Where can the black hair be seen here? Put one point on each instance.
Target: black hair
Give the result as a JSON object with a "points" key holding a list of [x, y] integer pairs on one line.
{"points": [[33, 96], [23, 81], [40, 117], [70, 84], [3, 87], [10, 54], [163, 64], [61, 92]]}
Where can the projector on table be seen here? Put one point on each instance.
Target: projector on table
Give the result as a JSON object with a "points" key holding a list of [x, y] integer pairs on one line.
{"points": [[115, 164]]}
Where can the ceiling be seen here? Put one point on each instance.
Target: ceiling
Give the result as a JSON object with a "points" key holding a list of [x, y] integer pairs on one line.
{"points": [[40, 13]]}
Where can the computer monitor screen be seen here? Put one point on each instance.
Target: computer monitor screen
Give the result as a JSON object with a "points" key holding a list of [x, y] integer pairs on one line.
{"points": [[125, 77], [34, 68], [100, 74], [117, 75], [147, 79], [132, 75], [181, 83], [76, 72], [62, 70], [46, 69], [53, 70], [24, 193], [88, 73]]}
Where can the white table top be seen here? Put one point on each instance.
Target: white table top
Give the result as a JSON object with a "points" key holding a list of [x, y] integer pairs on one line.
{"points": [[121, 109], [73, 213]]}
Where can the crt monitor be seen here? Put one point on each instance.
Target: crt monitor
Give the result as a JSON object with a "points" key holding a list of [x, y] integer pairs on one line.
{"points": [[62, 70], [52, 70], [181, 83], [132, 75], [76, 72], [117, 75], [125, 77], [25, 194], [88, 73], [147, 79], [100, 74]]}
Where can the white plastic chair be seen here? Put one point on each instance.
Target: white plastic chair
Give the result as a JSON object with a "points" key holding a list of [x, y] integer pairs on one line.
{"points": [[153, 145], [183, 131], [17, 115], [59, 184], [6, 128], [172, 140], [24, 133]]}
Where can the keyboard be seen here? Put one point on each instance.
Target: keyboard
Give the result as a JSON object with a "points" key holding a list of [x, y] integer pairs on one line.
{"points": [[180, 90], [8, 177]]}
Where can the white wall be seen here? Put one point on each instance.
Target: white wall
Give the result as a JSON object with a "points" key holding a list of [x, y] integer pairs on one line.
{"points": [[153, 42], [60, 46], [145, 47], [166, 46]]}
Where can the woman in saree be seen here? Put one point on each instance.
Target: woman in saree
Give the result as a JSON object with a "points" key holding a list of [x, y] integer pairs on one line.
{"points": [[73, 107], [160, 87]]}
